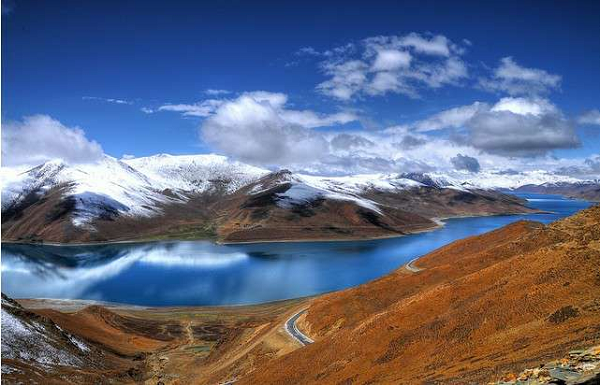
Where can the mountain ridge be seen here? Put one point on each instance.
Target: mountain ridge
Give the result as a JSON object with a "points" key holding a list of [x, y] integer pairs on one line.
{"points": [[211, 196]]}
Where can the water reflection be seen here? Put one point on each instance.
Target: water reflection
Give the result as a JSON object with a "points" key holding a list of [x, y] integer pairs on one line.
{"points": [[202, 273]]}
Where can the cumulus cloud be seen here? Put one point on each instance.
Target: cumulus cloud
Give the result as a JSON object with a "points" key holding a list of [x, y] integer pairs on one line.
{"points": [[464, 162], [40, 138], [511, 127], [391, 60], [451, 118], [347, 142], [436, 45], [591, 117], [392, 64], [410, 141], [513, 79], [256, 127], [511, 132], [346, 79]]}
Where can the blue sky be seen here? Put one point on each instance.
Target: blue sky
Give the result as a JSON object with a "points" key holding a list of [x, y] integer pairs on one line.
{"points": [[73, 62]]}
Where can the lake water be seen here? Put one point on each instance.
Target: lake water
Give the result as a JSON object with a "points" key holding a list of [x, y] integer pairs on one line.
{"points": [[203, 273]]}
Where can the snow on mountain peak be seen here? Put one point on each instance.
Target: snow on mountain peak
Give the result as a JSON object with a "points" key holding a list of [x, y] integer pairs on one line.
{"points": [[133, 187], [139, 186]]}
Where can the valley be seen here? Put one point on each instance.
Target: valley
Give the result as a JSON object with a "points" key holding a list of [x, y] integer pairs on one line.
{"points": [[447, 317]]}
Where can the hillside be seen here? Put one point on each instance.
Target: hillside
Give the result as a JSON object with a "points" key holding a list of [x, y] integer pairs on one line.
{"points": [[210, 196], [480, 308], [37, 350]]}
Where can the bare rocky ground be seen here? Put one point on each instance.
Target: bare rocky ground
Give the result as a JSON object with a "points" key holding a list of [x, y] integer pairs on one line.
{"points": [[580, 367]]}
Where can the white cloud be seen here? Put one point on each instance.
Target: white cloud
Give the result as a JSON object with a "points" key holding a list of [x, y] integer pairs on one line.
{"points": [[436, 45], [275, 100], [511, 127], [308, 51], [390, 60], [216, 92], [452, 118], [511, 134], [591, 117], [347, 79], [253, 130], [525, 106], [201, 109], [39, 138], [392, 64], [107, 100], [513, 79], [311, 119], [258, 128]]}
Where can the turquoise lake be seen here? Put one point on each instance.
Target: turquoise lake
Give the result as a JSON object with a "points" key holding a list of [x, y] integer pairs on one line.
{"points": [[204, 273]]}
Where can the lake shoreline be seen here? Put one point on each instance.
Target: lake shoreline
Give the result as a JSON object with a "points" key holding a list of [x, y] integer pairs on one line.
{"points": [[204, 274], [438, 223]]}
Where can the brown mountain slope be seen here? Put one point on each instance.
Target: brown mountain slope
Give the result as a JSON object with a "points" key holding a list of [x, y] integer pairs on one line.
{"points": [[481, 307], [36, 350], [63, 342], [259, 211], [247, 216]]}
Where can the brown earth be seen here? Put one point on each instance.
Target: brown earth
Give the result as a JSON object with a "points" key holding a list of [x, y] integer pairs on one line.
{"points": [[470, 312], [245, 217], [153, 345], [480, 308]]}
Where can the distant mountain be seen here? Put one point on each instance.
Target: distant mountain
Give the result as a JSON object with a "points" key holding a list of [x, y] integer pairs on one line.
{"points": [[200, 196], [588, 190]]}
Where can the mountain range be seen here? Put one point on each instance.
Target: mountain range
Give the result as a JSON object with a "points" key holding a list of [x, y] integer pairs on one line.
{"points": [[211, 196]]}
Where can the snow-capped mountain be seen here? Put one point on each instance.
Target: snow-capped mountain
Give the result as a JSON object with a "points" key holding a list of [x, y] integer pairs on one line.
{"points": [[200, 188], [134, 187], [141, 186]]}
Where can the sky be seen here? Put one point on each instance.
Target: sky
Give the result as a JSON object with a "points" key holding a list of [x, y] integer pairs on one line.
{"points": [[318, 87]]}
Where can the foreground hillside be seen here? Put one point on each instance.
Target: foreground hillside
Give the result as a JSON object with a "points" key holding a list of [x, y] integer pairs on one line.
{"points": [[117, 344], [479, 310], [210, 196]]}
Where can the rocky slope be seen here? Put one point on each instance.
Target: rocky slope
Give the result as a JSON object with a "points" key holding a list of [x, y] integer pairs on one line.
{"points": [[77, 342], [579, 367], [477, 310], [191, 197], [37, 350]]}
